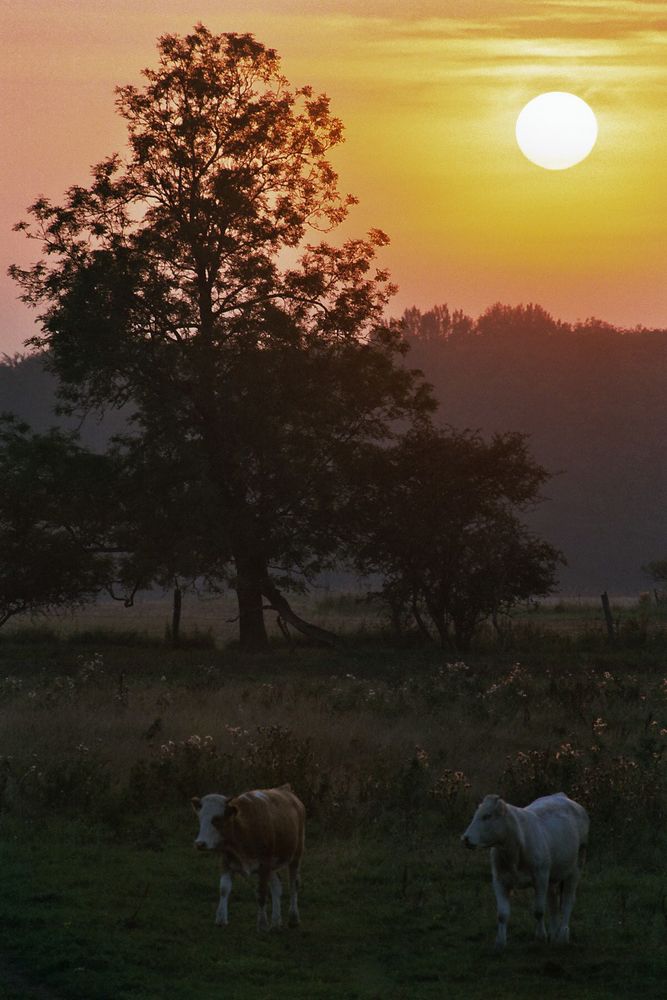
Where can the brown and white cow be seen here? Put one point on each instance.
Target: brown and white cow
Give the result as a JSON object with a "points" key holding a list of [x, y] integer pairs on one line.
{"points": [[259, 831]]}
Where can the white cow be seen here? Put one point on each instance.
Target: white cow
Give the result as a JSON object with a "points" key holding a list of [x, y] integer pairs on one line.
{"points": [[260, 831], [543, 845]]}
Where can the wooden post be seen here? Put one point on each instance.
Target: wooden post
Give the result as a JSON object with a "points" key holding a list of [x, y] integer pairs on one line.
{"points": [[607, 616], [176, 618]]}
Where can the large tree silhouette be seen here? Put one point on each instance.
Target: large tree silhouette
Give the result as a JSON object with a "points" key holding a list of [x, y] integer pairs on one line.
{"points": [[180, 282]]}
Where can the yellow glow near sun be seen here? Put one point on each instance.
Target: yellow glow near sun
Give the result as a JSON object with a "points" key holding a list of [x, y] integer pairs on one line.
{"points": [[556, 130]]}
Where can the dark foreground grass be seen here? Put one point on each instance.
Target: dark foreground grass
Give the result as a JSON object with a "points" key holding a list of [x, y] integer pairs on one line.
{"points": [[83, 918], [108, 901]]}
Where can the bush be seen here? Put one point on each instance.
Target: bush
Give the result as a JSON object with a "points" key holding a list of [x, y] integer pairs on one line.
{"points": [[614, 788], [78, 780], [177, 772]]}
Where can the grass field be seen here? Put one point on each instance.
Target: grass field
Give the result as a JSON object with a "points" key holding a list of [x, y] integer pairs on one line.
{"points": [[105, 736]]}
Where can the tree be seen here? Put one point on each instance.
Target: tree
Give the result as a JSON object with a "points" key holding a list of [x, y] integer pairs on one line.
{"points": [[180, 282], [518, 322], [436, 325], [74, 523], [440, 524], [657, 570], [162, 517], [47, 509]]}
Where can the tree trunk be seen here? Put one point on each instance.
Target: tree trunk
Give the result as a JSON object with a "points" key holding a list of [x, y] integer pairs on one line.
{"points": [[438, 616], [421, 624], [250, 574], [280, 604], [252, 586]]}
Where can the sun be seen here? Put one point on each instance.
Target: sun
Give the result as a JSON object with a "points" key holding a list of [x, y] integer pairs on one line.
{"points": [[556, 130]]}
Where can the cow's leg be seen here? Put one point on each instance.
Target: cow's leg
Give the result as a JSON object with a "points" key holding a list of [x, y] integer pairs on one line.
{"points": [[554, 899], [276, 893], [262, 897], [541, 890], [569, 894], [222, 917], [503, 896], [294, 883]]}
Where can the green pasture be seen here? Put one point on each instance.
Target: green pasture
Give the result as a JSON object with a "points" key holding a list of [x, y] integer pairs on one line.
{"points": [[390, 745], [97, 920]]}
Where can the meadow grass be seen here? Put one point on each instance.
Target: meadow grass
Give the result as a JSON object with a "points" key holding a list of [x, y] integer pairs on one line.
{"points": [[97, 920], [390, 745]]}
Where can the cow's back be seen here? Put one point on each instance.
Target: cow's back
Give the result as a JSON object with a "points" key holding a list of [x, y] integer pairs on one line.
{"points": [[268, 826], [564, 824]]}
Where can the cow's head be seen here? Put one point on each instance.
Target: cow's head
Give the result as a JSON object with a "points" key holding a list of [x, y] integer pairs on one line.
{"points": [[488, 824], [211, 810]]}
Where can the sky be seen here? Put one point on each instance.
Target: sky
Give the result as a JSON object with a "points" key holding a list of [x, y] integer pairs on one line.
{"points": [[429, 92]]}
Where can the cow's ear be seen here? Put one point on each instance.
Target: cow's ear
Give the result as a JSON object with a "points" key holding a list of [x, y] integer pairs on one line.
{"points": [[230, 810], [501, 807], [196, 803]]}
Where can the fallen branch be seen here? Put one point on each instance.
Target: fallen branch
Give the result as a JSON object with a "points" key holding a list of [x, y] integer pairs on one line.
{"points": [[281, 605]]}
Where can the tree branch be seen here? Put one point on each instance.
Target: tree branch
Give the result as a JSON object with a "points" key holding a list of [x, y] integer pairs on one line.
{"points": [[281, 605]]}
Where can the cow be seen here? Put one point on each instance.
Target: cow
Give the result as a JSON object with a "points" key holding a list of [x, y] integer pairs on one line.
{"points": [[259, 831], [543, 845]]}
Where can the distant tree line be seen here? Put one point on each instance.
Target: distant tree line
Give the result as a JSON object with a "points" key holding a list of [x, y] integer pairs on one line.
{"points": [[511, 324], [272, 425], [592, 398]]}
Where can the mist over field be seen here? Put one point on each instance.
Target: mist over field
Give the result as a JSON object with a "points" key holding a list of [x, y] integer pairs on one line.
{"points": [[591, 397]]}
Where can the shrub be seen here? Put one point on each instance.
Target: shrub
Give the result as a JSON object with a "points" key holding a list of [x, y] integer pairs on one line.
{"points": [[509, 695], [77, 780], [451, 790], [276, 755], [530, 774], [613, 787], [620, 788], [178, 771]]}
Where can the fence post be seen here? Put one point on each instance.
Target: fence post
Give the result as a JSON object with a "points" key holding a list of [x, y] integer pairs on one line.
{"points": [[176, 618], [607, 616]]}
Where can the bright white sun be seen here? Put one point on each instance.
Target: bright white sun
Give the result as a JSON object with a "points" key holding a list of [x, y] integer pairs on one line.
{"points": [[556, 130]]}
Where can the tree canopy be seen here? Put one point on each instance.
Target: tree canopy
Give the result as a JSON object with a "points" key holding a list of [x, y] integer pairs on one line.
{"points": [[53, 532], [657, 570], [181, 282], [440, 522]]}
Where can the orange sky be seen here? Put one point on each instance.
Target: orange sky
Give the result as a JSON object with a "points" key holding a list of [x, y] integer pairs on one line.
{"points": [[429, 92]]}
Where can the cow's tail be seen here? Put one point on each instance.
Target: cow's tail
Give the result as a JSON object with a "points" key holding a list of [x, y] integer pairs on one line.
{"points": [[583, 849]]}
